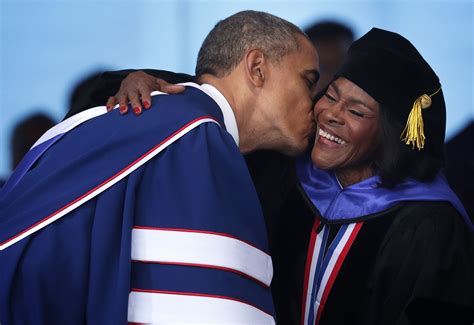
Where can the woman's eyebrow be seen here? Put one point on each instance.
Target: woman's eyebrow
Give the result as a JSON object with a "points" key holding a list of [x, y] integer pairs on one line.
{"points": [[351, 99]]}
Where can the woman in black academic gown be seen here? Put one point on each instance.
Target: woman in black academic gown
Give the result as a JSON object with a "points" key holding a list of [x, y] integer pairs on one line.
{"points": [[364, 229], [390, 243]]}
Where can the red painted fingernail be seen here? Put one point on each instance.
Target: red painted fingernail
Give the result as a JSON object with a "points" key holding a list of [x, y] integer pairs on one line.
{"points": [[122, 109], [136, 109], [146, 104]]}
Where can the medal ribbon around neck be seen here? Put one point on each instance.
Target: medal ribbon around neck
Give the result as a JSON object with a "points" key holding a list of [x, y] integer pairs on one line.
{"points": [[322, 269]]}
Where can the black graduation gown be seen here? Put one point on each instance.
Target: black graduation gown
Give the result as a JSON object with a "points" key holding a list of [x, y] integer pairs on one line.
{"points": [[412, 264], [408, 265], [97, 90]]}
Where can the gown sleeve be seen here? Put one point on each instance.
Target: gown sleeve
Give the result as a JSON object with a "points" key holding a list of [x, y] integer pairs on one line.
{"points": [[108, 83], [424, 269]]}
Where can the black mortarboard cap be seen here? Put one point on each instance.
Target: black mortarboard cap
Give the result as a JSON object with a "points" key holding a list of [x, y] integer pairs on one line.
{"points": [[390, 69]]}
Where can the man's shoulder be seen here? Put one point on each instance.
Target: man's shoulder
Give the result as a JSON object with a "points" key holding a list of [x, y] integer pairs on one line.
{"points": [[190, 104], [168, 115]]}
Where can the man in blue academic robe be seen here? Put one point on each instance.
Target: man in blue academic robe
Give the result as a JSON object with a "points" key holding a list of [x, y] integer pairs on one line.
{"points": [[107, 220]]}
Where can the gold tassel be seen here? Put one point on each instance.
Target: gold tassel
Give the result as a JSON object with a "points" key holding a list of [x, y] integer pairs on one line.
{"points": [[414, 131]]}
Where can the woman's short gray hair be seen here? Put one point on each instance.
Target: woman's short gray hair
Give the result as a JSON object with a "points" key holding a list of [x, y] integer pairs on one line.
{"points": [[226, 44]]}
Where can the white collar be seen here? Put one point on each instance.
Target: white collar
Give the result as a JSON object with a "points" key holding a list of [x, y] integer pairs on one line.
{"points": [[229, 117]]}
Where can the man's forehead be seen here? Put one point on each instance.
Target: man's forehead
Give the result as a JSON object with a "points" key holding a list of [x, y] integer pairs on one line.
{"points": [[303, 60], [306, 58], [305, 44], [308, 51]]}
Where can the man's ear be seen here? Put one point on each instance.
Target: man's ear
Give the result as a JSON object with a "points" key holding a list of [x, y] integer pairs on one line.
{"points": [[256, 66]]}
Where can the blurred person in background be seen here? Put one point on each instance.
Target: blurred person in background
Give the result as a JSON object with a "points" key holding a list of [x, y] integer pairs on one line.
{"points": [[26, 132], [332, 40], [31, 128], [24, 135]]}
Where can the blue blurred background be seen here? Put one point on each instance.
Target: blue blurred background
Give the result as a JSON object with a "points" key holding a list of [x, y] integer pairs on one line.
{"points": [[47, 47]]}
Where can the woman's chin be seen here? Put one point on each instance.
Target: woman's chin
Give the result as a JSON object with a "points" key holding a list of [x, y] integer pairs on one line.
{"points": [[315, 159], [320, 161]]}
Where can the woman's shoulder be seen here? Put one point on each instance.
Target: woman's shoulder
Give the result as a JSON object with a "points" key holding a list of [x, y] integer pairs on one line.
{"points": [[428, 212], [430, 222]]}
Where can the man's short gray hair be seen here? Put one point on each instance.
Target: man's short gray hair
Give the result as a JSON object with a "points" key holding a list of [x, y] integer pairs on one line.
{"points": [[226, 44]]}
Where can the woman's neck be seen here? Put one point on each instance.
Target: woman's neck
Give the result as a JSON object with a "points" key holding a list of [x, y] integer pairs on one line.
{"points": [[348, 177]]}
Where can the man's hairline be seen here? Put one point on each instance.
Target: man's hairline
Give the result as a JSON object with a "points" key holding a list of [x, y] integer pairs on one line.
{"points": [[271, 59]]}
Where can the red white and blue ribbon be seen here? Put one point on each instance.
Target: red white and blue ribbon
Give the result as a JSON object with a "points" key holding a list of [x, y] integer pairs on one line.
{"points": [[323, 267]]}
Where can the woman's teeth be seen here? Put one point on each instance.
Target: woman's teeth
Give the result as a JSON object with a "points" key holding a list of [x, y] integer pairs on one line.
{"points": [[331, 137]]}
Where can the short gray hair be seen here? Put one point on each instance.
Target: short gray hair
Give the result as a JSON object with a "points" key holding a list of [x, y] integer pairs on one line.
{"points": [[226, 44]]}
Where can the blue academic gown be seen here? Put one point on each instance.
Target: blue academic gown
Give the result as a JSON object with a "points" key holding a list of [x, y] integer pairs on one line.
{"points": [[82, 268]]}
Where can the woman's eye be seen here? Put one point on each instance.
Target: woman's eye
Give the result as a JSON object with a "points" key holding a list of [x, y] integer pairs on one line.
{"points": [[357, 113]]}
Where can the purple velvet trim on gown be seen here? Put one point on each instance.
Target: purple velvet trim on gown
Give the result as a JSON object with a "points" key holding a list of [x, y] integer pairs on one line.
{"points": [[366, 197]]}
